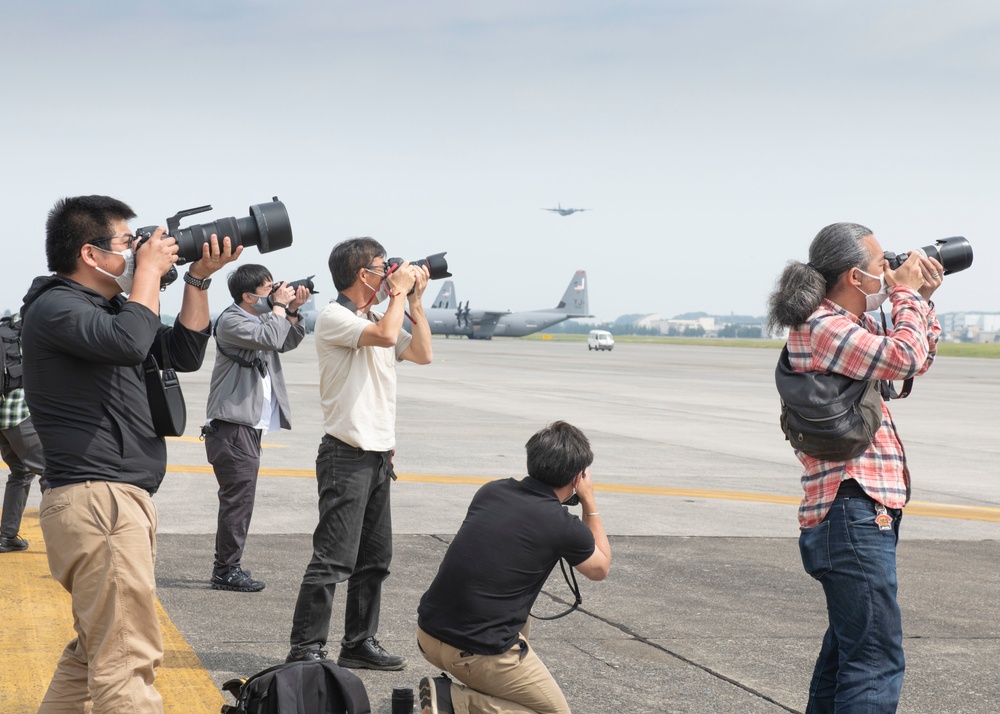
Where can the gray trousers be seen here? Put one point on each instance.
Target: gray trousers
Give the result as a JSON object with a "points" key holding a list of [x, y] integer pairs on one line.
{"points": [[234, 452], [22, 452]]}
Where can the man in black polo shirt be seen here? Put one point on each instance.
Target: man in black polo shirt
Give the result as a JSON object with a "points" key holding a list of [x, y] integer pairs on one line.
{"points": [[473, 620]]}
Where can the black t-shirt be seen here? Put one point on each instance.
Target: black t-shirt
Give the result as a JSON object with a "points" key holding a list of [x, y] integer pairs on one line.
{"points": [[513, 535]]}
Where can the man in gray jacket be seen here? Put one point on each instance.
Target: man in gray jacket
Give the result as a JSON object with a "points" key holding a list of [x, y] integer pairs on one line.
{"points": [[247, 399]]}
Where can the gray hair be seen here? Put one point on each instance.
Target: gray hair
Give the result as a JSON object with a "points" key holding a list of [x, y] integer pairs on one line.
{"points": [[801, 287]]}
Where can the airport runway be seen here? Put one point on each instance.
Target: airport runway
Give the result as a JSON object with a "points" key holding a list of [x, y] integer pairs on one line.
{"points": [[707, 608]]}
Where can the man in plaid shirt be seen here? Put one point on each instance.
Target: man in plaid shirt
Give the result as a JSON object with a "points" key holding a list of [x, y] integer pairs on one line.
{"points": [[850, 514], [19, 447]]}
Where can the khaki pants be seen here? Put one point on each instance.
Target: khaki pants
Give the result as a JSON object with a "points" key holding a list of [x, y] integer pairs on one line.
{"points": [[515, 682], [100, 538]]}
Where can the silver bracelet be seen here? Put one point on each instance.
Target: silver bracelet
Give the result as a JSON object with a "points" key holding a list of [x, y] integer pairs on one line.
{"points": [[588, 515]]}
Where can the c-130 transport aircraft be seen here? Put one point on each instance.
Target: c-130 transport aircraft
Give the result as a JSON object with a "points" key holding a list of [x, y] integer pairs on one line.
{"points": [[447, 316]]}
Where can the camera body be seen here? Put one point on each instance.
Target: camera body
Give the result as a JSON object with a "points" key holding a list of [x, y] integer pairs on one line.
{"points": [[267, 227], [294, 285], [954, 254]]}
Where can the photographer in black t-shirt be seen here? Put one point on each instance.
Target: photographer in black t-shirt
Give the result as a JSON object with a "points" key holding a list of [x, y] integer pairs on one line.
{"points": [[473, 620]]}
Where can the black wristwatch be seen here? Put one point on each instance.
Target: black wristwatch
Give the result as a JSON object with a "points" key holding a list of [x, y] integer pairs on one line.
{"points": [[291, 313], [201, 284]]}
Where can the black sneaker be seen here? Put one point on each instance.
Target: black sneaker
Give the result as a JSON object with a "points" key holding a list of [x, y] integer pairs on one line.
{"points": [[305, 656], [369, 654], [238, 580], [435, 695], [8, 545]]}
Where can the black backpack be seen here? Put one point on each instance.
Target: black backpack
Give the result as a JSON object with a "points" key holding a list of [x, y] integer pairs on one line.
{"points": [[828, 416], [10, 355], [310, 687]]}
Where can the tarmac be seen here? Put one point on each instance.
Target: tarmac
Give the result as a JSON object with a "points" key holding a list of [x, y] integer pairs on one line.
{"points": [[707, 608]]}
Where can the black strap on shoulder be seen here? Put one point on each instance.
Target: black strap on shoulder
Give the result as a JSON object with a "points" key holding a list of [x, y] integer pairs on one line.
{"points": [[346, 302], [888, 391], [255, 363]]}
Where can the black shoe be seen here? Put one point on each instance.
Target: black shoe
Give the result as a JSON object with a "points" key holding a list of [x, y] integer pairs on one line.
{"points": [[369, 654], [305, 656], [435, 695], [8, 545], [236, 579]]}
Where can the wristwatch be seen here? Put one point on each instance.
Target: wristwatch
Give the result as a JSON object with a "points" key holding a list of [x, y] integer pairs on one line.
{"points": [[200, 284]]}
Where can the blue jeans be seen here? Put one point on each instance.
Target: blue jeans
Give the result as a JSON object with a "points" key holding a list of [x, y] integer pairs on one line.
{"points": [[352, 542], [860, 665]]}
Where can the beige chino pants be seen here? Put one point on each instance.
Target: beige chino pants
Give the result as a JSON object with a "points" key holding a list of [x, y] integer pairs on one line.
{"points": [[508, 683], [100, 538]]}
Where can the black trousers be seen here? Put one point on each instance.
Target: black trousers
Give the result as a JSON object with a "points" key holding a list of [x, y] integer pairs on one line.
{"points": [[352, 542], [22, 452], [234, 452]]}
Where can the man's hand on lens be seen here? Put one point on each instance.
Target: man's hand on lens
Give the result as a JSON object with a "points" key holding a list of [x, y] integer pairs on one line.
{"points": [[421, 275], [301, 298], [214, 257], [584, 486], [933, 274]]}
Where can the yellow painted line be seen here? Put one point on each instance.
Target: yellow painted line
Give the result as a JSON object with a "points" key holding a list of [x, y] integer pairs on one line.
{"points": [[38, 624], [915, 508]]}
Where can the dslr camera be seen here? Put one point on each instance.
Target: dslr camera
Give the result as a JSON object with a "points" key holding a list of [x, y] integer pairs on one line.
{"points": [[267, 227], [953, 253]]}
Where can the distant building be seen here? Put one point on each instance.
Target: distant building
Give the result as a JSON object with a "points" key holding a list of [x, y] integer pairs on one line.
{"points": [[970, 326]]}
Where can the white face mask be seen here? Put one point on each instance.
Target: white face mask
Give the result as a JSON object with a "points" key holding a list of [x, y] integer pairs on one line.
{"points": [[262, 304], [381, 294], [128, 275], [874, 300]]}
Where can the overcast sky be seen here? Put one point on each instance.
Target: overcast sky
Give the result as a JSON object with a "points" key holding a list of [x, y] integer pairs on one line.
{"points": [[712, 139]]}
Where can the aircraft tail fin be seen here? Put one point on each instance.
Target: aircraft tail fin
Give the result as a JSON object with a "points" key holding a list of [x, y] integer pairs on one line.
{"points": [[574, 301], [446, 296]]}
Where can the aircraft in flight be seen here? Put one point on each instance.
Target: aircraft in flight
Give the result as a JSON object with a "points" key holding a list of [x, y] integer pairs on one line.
{"points": [[447, 316], [566, 211]]}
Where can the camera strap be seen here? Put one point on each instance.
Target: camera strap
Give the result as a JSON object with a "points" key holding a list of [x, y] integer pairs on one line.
{"points": [[570, 578], [887, 388], [256, 363]]}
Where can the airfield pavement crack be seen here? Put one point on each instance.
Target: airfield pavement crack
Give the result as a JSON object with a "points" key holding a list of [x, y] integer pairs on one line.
{"points": [[686, 660]]}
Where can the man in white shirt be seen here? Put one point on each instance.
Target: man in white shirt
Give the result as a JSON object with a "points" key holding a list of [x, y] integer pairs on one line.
{"points": [[358, 352]]}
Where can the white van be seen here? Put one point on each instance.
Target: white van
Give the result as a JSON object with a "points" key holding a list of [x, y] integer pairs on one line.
{"points": [[600, 340]]}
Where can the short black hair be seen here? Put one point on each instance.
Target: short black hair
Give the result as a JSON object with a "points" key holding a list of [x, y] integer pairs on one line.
{"points": [[246, 279], [350, 256], [74, 222], [557, 453]]}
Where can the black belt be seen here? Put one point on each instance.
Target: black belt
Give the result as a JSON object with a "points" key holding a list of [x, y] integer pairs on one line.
{"points": [[849, 488]]}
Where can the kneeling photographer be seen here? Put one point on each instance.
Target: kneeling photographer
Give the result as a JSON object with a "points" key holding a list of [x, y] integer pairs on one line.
{"points": [[246, 400], [850, 514], [473, 620]]}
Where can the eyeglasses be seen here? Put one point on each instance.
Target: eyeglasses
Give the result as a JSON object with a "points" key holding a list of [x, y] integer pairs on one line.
{"points": [[378, 269], [128, 238]]}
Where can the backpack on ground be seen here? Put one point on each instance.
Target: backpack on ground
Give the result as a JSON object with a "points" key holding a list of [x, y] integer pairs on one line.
{"points": [[310, 687], [10, 355]]}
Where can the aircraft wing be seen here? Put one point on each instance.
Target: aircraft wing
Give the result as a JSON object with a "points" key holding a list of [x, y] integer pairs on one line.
{"points": [[485, 322]]}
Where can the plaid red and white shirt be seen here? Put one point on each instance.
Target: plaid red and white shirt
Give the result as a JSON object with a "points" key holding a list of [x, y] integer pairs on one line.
{"points": [[835, 340]]}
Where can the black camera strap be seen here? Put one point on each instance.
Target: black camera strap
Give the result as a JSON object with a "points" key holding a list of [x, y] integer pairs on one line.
{"points": [[887, 388], [570, 578], [256, 363]]}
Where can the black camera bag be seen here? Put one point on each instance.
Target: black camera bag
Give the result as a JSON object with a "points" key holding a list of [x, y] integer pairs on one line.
{"points": [[308, 687], [826, 415], [163, 390]]}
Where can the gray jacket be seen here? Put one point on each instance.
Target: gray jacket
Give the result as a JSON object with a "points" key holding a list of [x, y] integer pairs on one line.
{"points": [[237, 391]]}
